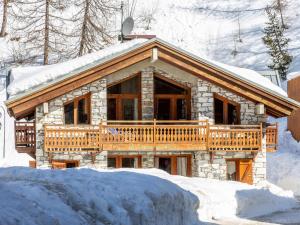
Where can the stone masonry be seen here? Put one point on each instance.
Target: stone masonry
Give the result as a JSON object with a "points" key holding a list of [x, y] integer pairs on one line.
{"points": [[201, 107], [56, 116]]}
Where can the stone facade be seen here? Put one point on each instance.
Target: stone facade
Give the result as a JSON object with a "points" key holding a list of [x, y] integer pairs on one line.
{"points": [[202, 106], [55, 116]]}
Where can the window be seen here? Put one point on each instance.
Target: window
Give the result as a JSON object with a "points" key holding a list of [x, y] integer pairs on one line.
{"points": [[78, 111], [175, 164], [124, 161], [226, 111], [171, 99], [62, 164], [124, 99]]}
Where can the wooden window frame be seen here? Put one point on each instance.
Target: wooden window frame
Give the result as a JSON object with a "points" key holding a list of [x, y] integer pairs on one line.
{"points": [[76, 100], [120, 157], [120, 97], [173, 97], [174, 163], [226, 101]]}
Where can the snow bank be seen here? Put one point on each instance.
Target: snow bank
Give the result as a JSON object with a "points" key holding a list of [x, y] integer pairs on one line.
{"points": [[283, 167], [84, 196], [24, 78], [225, 199], [128, 196]]}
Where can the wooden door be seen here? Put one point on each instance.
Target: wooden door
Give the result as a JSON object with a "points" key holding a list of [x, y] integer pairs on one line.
{"points": [[245, 174]]}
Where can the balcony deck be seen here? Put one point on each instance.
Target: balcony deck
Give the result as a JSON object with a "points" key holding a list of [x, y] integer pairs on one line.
{"points": [[25, 137], [158, 136]]}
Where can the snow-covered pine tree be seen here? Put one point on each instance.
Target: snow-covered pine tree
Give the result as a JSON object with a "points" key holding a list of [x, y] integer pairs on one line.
{"points": [[94, 24], [4, 17], [277, 44], [39, 25], [279, 6]]}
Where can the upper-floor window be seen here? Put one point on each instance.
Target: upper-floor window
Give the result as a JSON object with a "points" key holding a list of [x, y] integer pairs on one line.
{"points": [[226, 111], [78, 110]]}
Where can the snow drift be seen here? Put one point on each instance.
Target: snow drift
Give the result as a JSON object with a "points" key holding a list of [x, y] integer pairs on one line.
{"points": [[128, 196], [283, 167]]}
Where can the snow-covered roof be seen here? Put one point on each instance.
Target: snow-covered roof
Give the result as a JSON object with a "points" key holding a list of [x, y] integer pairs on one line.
{"points": [[293, 75], [29, 79]]}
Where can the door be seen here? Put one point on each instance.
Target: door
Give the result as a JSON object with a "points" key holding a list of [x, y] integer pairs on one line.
{"points": [[240, 170], [245, 171]]}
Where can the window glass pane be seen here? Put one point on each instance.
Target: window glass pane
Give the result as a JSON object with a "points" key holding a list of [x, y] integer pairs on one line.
{"points": [[163, 109], [231, 170], [165, 164], [130, 109], [127, 87], [130, 162], [111, 163], [232, 114], [69, 113], [181, 109], [182, 166], [82, 112], [164, 87], [218, 105], [111, 109]]}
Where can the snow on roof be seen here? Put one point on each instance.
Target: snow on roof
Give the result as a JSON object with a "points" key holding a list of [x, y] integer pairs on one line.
{"points": [[293, 75], [27, 78]]}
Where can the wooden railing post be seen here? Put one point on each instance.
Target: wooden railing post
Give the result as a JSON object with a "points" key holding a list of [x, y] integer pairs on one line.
{"points": [[100, 140], [154, 134], [207, 134], [261, 137]]}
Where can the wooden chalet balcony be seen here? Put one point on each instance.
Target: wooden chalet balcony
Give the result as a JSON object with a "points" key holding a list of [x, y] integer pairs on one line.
{"points": [[25, 137], [157, 135]]}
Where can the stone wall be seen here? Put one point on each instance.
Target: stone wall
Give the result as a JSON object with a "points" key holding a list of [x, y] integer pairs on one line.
{"points": [[56, 116], [147, 89]]}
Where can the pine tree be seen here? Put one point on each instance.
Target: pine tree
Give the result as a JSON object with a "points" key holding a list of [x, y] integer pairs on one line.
{"points": [[277, 44], [94, 22], [39, 25]]}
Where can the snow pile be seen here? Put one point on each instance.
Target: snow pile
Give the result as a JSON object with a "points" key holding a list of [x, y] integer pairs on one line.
{"points": [[283, 167], [29, 196], [222, 199], [128, 196], [293, 75], [24, 78]]}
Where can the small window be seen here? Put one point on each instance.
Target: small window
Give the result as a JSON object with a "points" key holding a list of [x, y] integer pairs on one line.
{"points": [[78, 111], [121, 161], [226, 111]]}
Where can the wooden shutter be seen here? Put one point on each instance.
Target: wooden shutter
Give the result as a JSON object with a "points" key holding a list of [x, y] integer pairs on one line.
{"points": [[245, 171], [59, 165]]}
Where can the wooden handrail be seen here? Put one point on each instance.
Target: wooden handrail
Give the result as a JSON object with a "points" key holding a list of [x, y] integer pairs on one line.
{"points": [[196, 134]]}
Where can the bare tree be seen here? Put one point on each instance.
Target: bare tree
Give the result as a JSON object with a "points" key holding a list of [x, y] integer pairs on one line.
{"points": [[93, 24], [39, 24], [4, 17]]}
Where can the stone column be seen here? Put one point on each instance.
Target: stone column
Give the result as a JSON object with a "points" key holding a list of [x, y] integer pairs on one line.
{"points": [[147, 89], [98, 101], [260, 162]]}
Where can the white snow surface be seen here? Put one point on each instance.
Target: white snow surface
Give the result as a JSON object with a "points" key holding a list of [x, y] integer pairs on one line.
{"points": [[293, 75], [26, 78], [128, 196], [283, 167]]}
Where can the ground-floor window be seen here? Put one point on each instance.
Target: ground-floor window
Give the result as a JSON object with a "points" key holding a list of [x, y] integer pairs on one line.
{"points": [[175, 164], [62, 164], [122, 161], [240, 170]]}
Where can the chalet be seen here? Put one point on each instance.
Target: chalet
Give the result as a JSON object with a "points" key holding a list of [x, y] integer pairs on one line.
{"points": [[146, 104]]}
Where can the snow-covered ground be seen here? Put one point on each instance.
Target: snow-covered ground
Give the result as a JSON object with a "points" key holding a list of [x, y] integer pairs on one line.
{"points": [[86, 196]]}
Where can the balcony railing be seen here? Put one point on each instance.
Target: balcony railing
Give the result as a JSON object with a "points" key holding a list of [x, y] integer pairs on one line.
{"points": [[156, 135], [25, 137]]}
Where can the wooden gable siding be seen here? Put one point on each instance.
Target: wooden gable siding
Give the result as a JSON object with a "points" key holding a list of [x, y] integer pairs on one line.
{"points": [[275, 105]]}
